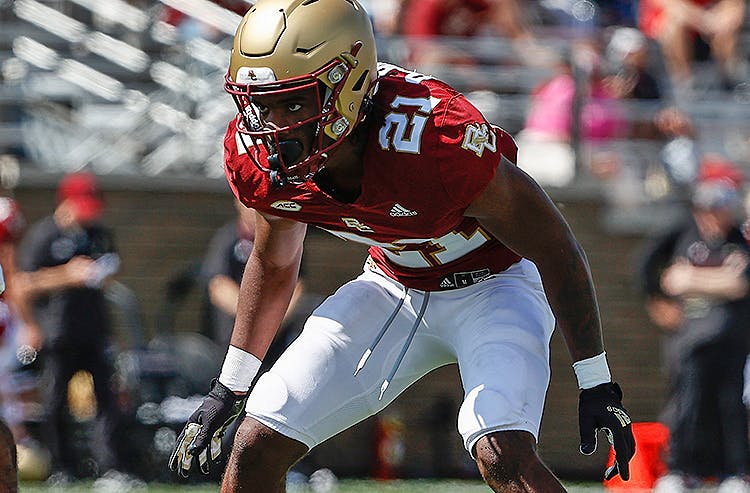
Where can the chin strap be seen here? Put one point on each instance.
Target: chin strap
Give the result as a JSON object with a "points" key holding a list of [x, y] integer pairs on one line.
{"points": [[278, 179], [288, 152]]}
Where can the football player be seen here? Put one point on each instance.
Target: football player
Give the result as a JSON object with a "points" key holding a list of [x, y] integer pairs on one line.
{"points": [[469, 261]]}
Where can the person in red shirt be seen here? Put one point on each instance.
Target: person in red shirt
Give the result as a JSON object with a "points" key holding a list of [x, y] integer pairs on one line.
{"points": [[430, 25], [12, 226], [469, 261], [8, 458]]}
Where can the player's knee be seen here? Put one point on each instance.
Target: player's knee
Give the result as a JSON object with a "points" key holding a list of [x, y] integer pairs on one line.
{"points": [[259, 449], [504, 457]]}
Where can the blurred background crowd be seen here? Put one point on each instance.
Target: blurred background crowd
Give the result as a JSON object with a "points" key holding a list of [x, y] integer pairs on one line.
{"points": [[621, 109]]}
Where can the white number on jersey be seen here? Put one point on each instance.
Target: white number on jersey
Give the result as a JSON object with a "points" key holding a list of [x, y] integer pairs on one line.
{"points": [[426, 252], [402, 131]]}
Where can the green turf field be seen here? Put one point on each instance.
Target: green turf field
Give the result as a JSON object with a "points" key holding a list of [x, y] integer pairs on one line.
{"points": [[344, 486]]}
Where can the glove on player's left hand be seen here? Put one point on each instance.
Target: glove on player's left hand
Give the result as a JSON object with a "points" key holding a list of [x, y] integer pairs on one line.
{"points": [[600, 408], [201, 436]]}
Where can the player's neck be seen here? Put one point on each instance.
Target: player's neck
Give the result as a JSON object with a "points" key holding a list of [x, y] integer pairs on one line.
{"points": [[342, 176], [341, 179]]}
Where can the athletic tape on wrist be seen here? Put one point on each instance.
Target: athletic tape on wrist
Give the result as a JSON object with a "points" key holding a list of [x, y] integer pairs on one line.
{"points": [[593, 371], [239, 369]]}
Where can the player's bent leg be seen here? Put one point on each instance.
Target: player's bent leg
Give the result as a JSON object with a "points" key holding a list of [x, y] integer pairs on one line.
{"points": [[508, 463], [8, 463], [260, 459]]}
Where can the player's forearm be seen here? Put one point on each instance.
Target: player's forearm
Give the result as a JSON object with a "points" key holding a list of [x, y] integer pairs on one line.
{"points": [[509, 208], [570, 292], [265, 294]]}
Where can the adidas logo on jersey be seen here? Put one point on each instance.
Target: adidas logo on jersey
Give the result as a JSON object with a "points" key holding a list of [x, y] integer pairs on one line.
{"points": [[399, 210], [447, 283]]}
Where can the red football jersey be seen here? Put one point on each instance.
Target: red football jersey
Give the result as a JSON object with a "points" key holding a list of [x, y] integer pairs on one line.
{"points": [[429, 154]]}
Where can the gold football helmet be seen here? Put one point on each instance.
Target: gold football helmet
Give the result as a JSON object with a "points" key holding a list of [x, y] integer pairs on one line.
{"points": [[282, 46]]}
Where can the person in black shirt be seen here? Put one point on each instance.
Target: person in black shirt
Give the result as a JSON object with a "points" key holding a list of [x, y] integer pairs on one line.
{"points": [[632, 76], [221, 273], [696, 278], [66, 258]]}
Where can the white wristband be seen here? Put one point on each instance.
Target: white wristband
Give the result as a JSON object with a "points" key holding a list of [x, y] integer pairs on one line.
{"points": [[239, 369], [593, 371]]}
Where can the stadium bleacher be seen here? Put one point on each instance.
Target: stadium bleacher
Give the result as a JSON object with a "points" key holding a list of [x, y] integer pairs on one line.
{"points": [[79, 73]]}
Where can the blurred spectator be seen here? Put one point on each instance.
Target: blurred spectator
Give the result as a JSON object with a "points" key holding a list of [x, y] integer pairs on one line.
{"points": [[679, 154], [679, 24], [696, 281], [585, 16], [222, 269], [423, 22], [221, 272], [617, 13], [66, 258], [8, 457], [561, 106], [20, 336], [627, 55], [385, 15], [20, 341], [545, 149]]}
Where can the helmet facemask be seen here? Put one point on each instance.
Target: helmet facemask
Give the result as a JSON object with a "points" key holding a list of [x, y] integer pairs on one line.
{"points": [[268, 143], [284, 46]]}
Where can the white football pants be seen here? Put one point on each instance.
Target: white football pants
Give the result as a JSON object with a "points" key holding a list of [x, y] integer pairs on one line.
{"points": [[497, 330]]}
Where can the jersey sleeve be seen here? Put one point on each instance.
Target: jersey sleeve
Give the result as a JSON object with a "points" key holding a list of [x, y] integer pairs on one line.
{"points": [[468, 151]]}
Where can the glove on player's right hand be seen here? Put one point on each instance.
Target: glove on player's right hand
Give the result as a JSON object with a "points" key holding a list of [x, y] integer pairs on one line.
{"points": [[600, 408], [201, 436]]}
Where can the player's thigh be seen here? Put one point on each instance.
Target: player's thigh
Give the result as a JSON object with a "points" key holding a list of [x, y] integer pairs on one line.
{"points": [[311, 393], [503, 356]]}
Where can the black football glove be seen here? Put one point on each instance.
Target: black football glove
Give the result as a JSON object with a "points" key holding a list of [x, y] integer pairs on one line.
{"points": [[600, 408], [202, 435]]}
